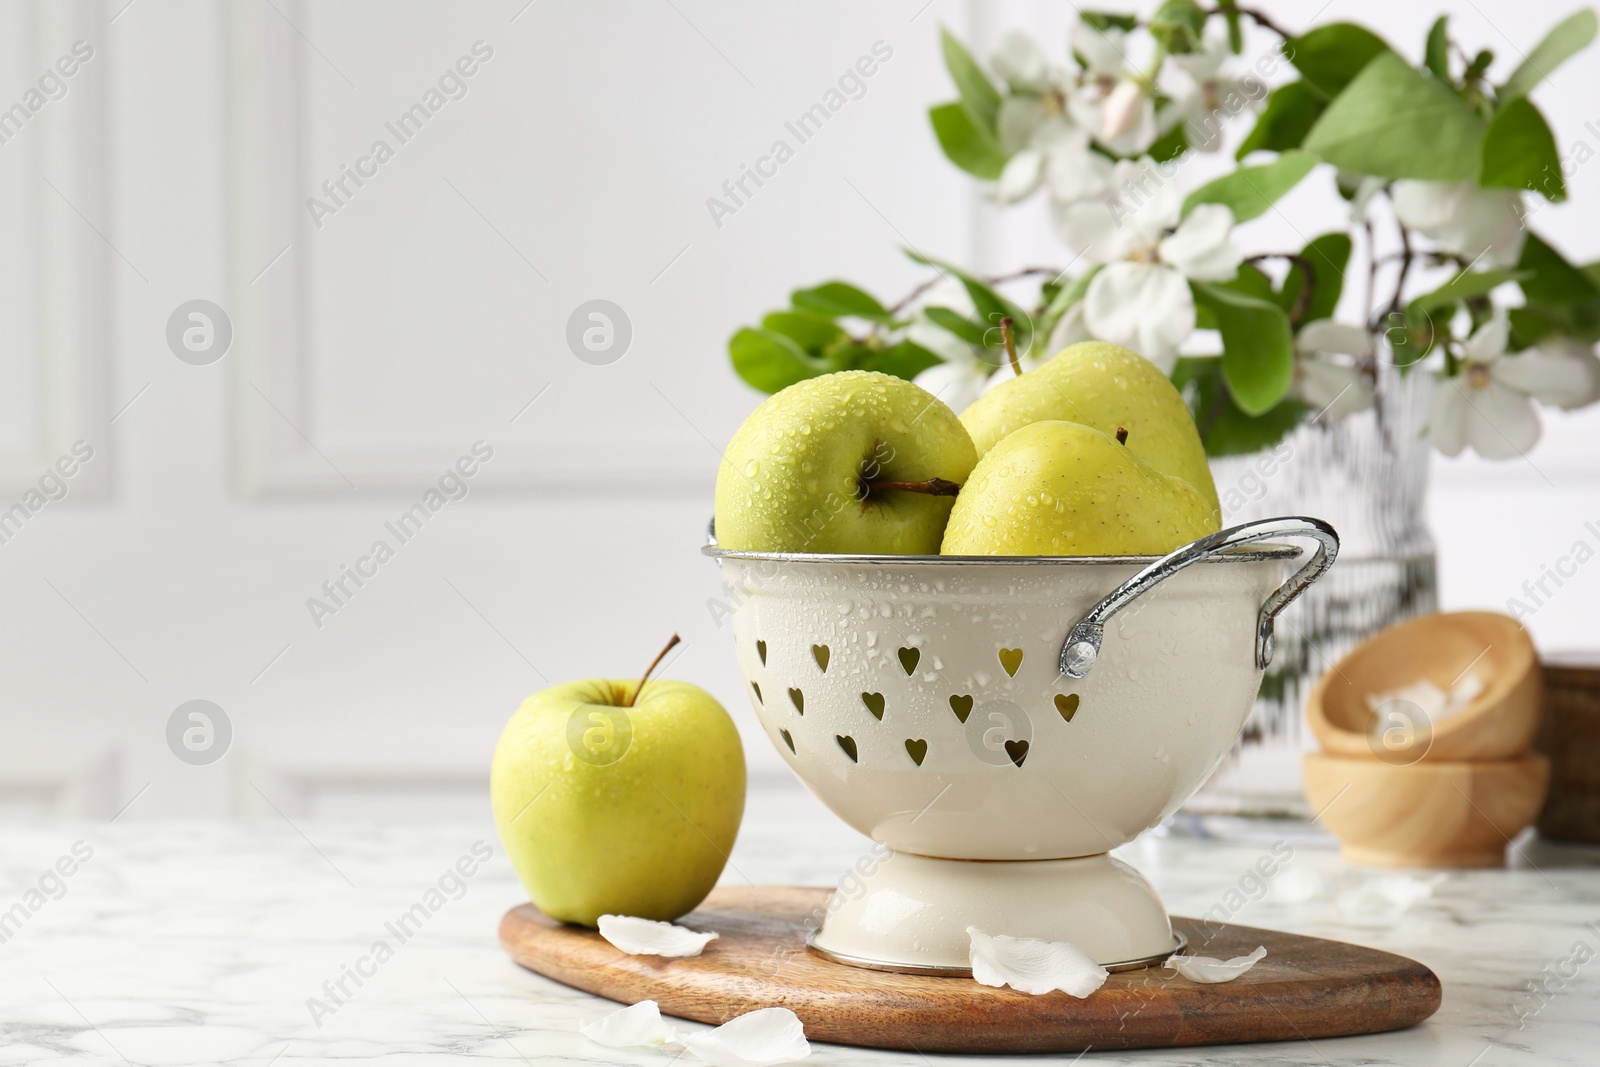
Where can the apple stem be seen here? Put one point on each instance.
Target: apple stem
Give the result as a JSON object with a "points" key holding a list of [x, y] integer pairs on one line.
{"points": [[1011, 345], [932, 487], [650, 669], [1122, 436]]}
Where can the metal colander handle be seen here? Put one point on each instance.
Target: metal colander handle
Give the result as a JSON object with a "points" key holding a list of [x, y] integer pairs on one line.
{"points": [[1082, 647]]}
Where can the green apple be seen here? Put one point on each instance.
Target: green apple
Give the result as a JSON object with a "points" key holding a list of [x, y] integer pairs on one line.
{"points": [[854, 462], [1106, 387], [610, 805], [1062, 489]]}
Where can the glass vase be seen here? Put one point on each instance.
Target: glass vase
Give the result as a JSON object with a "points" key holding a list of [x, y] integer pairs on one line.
{"points": [[1367, 474]]}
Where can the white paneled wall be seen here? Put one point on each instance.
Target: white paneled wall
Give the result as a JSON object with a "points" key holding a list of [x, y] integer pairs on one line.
{"points": [[374, 345]]}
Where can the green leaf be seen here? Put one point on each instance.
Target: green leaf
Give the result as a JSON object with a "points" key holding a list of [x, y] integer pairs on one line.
{"points": [[1550, 279], [1257, 347], [1250, 281], [990, 306], [835, 299], [770, 361], [1569, 37], [1178, 26], [1109, 20], [1250, 191], [1230, 15], [1438, 49], [1330, 57], [1519, 152], [1225, 430], [970, 147], [958, 324], [1396, 122], [1170, 145], [979, 97], [904, 360], [1290, 113], [812, 333], [1464, 286], [1328, 255]]}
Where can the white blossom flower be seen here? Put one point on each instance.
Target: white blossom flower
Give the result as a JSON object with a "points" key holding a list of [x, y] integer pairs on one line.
{"points": [[1328, 376], [1366, 187], [1056, 153], [1112, 102], [1487, 404], [1022, 65], [1141, 298], [1577, 351], [1476, 224], [1215, 97]]}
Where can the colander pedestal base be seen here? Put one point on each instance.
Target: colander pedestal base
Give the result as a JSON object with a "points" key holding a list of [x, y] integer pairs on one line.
{"points": [[910, 913]]}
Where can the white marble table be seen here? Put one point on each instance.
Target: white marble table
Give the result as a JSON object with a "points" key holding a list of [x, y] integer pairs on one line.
{"points": [[203, 943]]}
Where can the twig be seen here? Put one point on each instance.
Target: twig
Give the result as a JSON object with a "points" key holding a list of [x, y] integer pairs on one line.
{"points": [[1302, 301], [1258, 17]]}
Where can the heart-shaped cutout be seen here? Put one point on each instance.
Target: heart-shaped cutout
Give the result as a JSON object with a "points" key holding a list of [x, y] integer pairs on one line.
{"points": [[1011, 659], [917, 749], [847, 743], [761, 650], [1017, 750], [799, 699], [820, 654], [909, 658], [757, 688], [874, 703], [1067, 705], [962, 706], [787, 739]]}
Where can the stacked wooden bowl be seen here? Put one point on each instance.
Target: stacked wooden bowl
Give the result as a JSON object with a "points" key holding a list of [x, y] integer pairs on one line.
{"points": [[1400, 788]]}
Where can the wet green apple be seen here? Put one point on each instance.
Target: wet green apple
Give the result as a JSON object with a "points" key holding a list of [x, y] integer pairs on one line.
{"points": [[1106, 387], [855, 462], [610, 805], [1063, 489]]}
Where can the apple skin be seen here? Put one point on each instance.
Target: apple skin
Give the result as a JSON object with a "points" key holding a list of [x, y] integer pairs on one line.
{"points": [[1104, 386], [790, 479], [1063, 489], [646, 835]]}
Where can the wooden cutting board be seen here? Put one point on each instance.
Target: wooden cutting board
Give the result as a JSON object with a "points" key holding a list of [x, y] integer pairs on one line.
{"points": [[1305, 988]]}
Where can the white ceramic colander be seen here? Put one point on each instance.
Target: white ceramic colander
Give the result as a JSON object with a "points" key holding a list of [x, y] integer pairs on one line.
{"points": [[1032, 712]]}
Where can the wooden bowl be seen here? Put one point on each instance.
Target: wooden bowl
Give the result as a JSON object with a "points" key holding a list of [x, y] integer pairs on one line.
{"points": [[1570, 735], [1499, 723], [1432, 813]]}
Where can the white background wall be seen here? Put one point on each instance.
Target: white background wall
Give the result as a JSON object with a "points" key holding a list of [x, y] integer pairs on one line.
{"points": [[424, 316]]}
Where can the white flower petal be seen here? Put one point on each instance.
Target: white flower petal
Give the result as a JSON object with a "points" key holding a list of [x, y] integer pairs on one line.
{"points": [[1387, 895], [1209, 970], [1020, 61], [1500, 423], [640, 1024], [1490, 340], [1069, 331], [1020, 177], [1325, 335], [1101, 51], [759, 1038], [1143, 306], [1073, 172], [1464, 219], [1128, 123], [1089, 227], [1447, 420], [1017, 120], [1148, 202], [1550, 378], [957, 384], [1032, 966], [1366, 189], [1586, 357], [646, 937], [1332, 389], [1201, 248]]}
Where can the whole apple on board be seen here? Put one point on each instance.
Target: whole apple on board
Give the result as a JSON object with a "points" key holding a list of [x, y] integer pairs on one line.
{"points": [[618, 796], [1093, 453]]}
